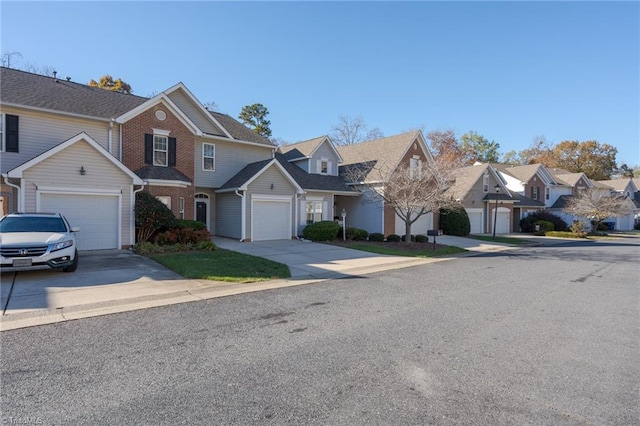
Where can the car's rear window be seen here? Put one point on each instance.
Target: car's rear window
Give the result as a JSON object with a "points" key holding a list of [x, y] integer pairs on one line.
{"points": [[32, 224]]}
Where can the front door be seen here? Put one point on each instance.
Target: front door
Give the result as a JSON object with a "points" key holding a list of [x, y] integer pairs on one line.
{"points": [[201, 211]]}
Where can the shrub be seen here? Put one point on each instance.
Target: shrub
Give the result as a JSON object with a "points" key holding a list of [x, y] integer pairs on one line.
{"points": [[356, 234], [422, 238], [376, 236], [413, 238], [527, 224], [182, 236], [455, 222], [326, 230], [393, 238], [151, 215], [565, 234], [206, 246], [193, 224], [543, 226]]}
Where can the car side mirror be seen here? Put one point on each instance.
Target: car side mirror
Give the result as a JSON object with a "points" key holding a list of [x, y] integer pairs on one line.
{"points": [[75, 229]]}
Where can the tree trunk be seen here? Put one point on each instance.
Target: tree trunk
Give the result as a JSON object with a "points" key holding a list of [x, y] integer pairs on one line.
{"points": [[407, 231]]}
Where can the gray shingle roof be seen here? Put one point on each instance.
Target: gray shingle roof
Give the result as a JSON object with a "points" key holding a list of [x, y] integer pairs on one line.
{"points": [[307, 181], [561, 202], [238, 130], [161, 173], [38, 91]]}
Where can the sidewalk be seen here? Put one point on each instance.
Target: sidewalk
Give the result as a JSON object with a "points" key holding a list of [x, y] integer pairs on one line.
{"points": [[51, 297]]}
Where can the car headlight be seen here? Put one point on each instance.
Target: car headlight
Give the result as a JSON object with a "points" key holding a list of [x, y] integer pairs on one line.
{"points": [[60, 245]]}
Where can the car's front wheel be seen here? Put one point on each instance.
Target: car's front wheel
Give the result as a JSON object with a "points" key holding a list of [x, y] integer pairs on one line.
{"points": [[74, 265]]}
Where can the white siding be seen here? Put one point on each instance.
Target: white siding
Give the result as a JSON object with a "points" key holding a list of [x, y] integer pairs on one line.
{"points": [[61, 171], [39, 132]]}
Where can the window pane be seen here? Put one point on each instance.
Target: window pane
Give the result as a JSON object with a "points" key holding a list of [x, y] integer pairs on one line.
{"points": [[208, 163], [160, 158], [208, 150]]}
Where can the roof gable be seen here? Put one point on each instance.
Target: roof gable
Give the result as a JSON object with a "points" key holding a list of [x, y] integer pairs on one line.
{"points": [[251, 172], [306, 149], [17, 171]]}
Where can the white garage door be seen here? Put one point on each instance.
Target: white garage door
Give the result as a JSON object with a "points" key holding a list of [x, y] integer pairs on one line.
{"points": [[96, 215], [503, 219], [271, 220], [475, 220]]}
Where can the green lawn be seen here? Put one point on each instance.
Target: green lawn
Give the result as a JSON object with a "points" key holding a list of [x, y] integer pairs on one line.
{"points": [[397, 250], [222, 265], [498, 239]]}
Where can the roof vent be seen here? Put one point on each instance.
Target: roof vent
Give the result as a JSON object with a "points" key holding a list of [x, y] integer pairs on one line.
{"points": [[68, 78], [55, 78]]}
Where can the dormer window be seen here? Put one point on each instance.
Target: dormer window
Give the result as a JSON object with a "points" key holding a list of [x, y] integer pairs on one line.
{"points": [[485, 183], [324, 167]]}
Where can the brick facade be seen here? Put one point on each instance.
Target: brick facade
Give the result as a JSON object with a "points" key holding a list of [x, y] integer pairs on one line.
{"points": [[133, 132]]}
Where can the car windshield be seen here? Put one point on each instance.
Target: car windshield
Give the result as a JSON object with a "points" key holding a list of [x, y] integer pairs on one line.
{"points": [[32, 224]]}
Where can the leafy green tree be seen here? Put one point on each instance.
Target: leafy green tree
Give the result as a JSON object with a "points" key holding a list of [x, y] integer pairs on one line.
{"points": [[151, 215], [255, 116], [479, 148], [107, 82]]}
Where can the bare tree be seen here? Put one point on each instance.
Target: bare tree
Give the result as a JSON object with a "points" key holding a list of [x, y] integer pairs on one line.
{"points": [[211, 106], [7, 57], [596, 205], [411, 190], [351, 130]]}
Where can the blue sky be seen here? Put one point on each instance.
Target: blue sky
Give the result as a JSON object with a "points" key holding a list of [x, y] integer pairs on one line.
{"points": [[507, 70]]}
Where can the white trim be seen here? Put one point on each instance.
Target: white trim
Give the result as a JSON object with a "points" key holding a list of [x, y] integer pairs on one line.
{"points": [[208, 203], [54, 111], [160, 98], [79, 191], [220, 138], [348, 193], [282, 169], [17, 172], [162, 182], [161, 132], [271, 198], [195, 100], [214, 157]]}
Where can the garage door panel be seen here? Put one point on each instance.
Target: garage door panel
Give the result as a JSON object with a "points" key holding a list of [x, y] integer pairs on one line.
{"points": [[475, 220], [96, 215], [502, 224], [271, 220]]}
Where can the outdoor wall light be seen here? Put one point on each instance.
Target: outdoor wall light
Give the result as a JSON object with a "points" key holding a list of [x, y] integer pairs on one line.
{"points": [[272, 186], [82, 171]]}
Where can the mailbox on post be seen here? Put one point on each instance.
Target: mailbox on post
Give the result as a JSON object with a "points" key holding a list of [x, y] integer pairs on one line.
{"points": [[433, 233]]}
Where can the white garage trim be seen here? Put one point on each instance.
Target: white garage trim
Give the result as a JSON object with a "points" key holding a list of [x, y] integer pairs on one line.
{"points": [[89, 192], [473, 212], [271, 198]]}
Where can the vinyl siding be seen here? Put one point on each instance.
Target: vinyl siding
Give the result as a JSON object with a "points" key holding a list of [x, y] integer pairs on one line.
{"points": [[40, 132], [324, 151], [228, 208], [61, 171], [230, 158], [262, 186], [195, 114], [363, 212], [303, 164]]}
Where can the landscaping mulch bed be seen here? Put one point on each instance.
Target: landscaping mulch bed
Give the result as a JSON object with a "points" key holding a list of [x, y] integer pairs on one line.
{"points": [[401, 245]]}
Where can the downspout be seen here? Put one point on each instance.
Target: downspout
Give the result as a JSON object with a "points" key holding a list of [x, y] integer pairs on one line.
{"points": [[132, 227], [110, 134], [120, 144], [243, 218], [6, 180]]}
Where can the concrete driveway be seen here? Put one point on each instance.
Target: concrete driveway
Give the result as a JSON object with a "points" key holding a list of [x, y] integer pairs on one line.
{"points": [[308, 259], [101, 275]]}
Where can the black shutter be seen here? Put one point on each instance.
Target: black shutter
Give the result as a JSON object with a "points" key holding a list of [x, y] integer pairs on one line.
{"points": [[11, 129], [172, 152], [148, 148]]}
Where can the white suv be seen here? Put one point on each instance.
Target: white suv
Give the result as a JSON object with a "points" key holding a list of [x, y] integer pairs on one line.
{"points": [[38, 239]]}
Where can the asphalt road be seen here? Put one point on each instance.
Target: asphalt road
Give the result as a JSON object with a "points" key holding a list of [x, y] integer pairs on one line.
{"points": [[546, 335]]}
